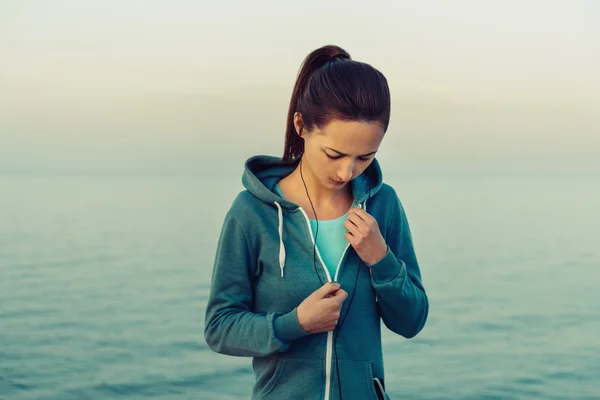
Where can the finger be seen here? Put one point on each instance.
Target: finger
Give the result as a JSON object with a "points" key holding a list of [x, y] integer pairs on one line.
{"points": [[339, 292], [359, 212], [340, 296], [350, 227], [367, 218], [360, 224], [350, 238], [326, 289], [359, 232]]}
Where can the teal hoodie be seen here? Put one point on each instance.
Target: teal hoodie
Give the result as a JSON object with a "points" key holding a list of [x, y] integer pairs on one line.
{"points": [[264, 269]]}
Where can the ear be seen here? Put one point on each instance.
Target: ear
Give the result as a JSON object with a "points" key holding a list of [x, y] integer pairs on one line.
{"points": [[298, 124]]}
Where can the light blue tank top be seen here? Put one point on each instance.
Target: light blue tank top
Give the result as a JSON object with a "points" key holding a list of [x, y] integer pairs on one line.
{"points": [[331, 242]]}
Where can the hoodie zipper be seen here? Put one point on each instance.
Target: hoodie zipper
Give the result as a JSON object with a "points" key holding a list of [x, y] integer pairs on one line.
{"points": [[329, 351]]}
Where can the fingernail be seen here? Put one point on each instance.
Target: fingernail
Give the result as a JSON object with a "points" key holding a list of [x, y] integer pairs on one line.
{"points": [[336, 285]]}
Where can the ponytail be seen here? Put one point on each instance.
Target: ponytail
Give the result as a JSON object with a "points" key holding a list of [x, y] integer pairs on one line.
{"points": [[294, 144]]}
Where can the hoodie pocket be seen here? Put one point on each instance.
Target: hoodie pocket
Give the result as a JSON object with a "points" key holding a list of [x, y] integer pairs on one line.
{"points": [[356, 380], [295, 378]]}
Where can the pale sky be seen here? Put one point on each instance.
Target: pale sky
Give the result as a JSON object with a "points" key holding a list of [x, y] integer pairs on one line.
{"points": [[182, 84]]}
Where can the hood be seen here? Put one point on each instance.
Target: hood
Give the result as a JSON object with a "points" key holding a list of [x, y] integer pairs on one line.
{"points": [[262, 173]]}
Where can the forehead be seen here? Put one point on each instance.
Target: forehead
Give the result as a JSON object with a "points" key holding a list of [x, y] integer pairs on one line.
{"points": [[352, 136]]}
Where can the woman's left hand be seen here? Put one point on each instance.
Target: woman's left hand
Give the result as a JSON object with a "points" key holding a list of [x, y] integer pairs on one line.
{"points": [[364, 235]]}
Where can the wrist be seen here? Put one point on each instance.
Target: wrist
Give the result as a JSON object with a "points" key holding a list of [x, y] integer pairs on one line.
{"points": [[300, 318], [287, 327], [380, 256]]}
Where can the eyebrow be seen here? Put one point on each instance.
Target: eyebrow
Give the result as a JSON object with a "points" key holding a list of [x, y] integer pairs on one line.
{"points": [[344, 154]]}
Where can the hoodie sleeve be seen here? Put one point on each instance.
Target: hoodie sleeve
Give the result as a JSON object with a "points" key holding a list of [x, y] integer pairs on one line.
{"points": [[402, 301], [230, 325]]}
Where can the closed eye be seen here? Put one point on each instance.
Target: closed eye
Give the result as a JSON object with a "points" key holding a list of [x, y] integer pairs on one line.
{"points": [[333, 157], [363, 158], [339, 154]]}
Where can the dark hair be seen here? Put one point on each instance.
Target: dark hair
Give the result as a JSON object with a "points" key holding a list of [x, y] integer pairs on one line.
{"points": [[330, 85]]}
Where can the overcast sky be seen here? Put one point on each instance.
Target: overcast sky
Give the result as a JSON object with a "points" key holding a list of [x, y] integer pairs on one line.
{"points": [[177, 85]]}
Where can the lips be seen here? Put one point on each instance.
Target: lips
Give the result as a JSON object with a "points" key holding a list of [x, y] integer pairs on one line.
{"points": [[336, 182]]}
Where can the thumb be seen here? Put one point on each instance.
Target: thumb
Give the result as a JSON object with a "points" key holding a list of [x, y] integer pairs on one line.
{"points": [[325, 290]]}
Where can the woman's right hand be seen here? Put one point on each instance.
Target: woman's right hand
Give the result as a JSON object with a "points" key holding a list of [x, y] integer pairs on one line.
{"points": [[320, 311]]}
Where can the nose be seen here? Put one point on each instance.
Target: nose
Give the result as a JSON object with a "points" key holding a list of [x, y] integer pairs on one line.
{"points": [[345, 172]]}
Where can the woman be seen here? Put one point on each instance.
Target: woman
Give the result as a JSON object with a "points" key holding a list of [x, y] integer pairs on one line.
{"points": [[317, 249]]}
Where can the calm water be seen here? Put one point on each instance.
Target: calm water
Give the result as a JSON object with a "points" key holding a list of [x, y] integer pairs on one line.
{"points": [[104, 280]]}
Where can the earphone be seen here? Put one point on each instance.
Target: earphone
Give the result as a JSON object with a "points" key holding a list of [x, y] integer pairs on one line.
{"points": [[315, 267]]}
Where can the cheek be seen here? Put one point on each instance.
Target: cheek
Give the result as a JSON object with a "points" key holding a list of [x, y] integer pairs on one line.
{"points": [[326, 169], [321, 166]]}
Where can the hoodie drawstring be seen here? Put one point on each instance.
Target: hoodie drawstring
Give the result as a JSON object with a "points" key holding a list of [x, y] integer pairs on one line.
{"points": [[281, 246]]}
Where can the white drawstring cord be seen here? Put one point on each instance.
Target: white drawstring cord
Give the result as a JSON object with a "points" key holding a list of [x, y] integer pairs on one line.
{"points": [[281, 246]]}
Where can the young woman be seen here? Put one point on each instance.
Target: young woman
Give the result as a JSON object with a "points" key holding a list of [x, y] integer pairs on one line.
{"points": [[317, 249]]}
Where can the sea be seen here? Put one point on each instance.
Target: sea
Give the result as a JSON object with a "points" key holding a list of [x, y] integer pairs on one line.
{"points": [[105, 276]]}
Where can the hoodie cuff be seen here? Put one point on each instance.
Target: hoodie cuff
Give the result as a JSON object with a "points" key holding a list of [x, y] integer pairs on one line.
{"points": [[386, 269], [287, 327]]}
